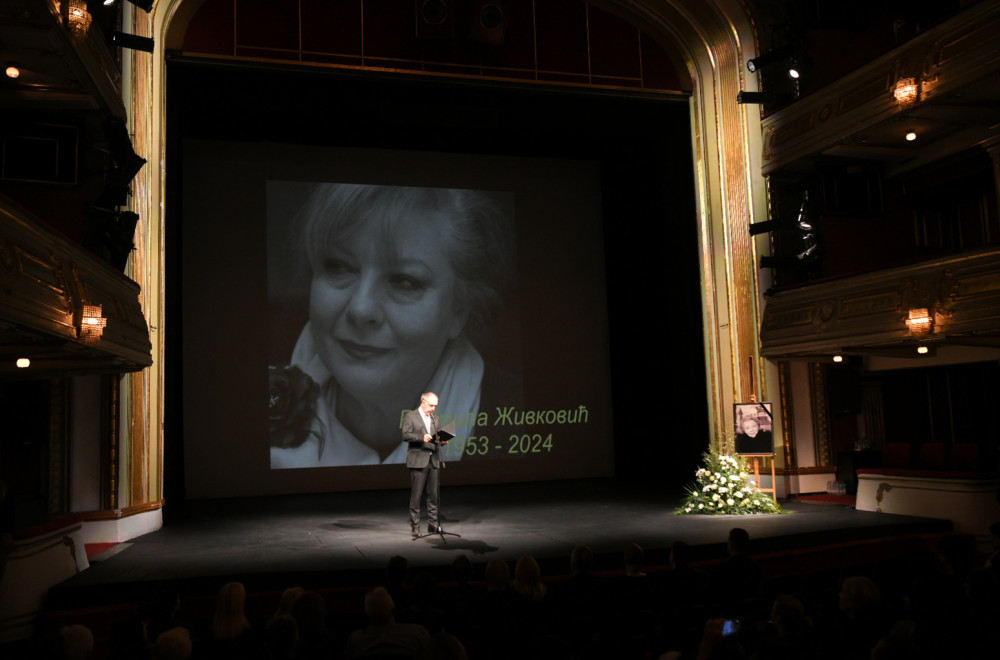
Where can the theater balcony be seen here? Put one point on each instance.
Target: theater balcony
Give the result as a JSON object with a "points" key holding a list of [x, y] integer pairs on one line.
{"points": [[66, 306], [63, 311]]}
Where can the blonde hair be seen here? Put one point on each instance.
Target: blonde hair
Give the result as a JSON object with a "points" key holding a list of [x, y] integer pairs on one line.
{"points": [[230, 619], [528, 578], [478, 239]]}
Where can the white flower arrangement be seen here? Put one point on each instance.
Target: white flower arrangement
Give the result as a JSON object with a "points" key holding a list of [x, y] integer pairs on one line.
{"points": [[728, 475]]}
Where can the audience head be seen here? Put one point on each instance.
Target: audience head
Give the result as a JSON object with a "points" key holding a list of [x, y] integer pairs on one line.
{"points": [[461, 570], [634, 559], [789, 616], [282, 637], [497, 574], [739, 541], [581, 560], [172, 644], [288, 598], [424, 589], [397, 570], [309, 612], [379, 607], [528, 578], [76, 642], [230, 619], [680, 555], [859, 594]]}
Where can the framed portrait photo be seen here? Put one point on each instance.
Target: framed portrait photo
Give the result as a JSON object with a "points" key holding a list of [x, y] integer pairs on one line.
{"points": [[754, 423]]}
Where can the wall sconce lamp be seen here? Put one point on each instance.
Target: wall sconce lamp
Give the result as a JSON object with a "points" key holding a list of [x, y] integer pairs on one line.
{"points": [[906, 90], [920, 322], [132, 42], [92, 323], [77, 16]]}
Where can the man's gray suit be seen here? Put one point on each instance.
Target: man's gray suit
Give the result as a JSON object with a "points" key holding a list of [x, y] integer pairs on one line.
{"points": [[423, 460]]}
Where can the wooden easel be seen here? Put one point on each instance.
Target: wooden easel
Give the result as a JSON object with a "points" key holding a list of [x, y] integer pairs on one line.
{"points": [[756, 474]]}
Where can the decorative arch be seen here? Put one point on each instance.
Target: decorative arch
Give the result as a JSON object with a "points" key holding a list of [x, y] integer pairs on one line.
{"points": [[713, 36]]}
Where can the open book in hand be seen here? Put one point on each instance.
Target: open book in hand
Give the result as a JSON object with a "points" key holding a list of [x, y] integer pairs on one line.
{"points": [[446, 433]]}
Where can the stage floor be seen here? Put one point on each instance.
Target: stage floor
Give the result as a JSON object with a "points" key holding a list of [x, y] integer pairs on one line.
{"points": [[345, 539]]}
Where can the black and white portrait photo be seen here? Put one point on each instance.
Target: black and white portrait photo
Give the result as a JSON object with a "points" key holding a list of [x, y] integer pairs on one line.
{"points": [[379, 292]]}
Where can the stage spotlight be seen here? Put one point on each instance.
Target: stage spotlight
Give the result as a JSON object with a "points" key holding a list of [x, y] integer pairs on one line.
{"points": [[795, 70], [763, 98], [769, 226], [810, 251], [132, 42], [771, 57]]}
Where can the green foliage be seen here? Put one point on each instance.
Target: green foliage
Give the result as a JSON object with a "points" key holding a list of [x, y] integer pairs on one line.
{"points": [[724, 486]]}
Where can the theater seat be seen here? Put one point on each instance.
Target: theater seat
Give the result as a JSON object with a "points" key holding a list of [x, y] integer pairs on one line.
{"points": [[897, 455], [964, 457], [932, 456]]}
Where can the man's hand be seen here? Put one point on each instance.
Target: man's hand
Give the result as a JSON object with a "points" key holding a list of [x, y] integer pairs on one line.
{"points": [[428, 438]]}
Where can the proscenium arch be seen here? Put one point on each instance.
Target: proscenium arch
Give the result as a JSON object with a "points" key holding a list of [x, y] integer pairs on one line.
{"points": [[713, 36]]}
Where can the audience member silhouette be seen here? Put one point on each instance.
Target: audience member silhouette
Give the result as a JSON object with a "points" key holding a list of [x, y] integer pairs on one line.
{"points": [[281, 637], [397, 578], [424, 608], [528, 579], [173, 644], [383, 635], [491, 628], [161, 611], [860, 621], [316, 640], [231, 634], [739, 580], [461, 600], [73, 642], [287, 601]]}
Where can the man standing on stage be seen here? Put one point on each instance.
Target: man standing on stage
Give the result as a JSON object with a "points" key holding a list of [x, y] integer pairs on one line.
{"points": [[420, 432]]}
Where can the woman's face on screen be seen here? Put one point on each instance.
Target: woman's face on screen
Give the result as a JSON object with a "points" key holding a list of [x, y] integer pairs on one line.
{"points": [[383, 305]]}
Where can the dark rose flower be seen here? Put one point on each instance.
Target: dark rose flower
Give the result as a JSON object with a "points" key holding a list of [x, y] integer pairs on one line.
{"points": [[291, 407]]}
